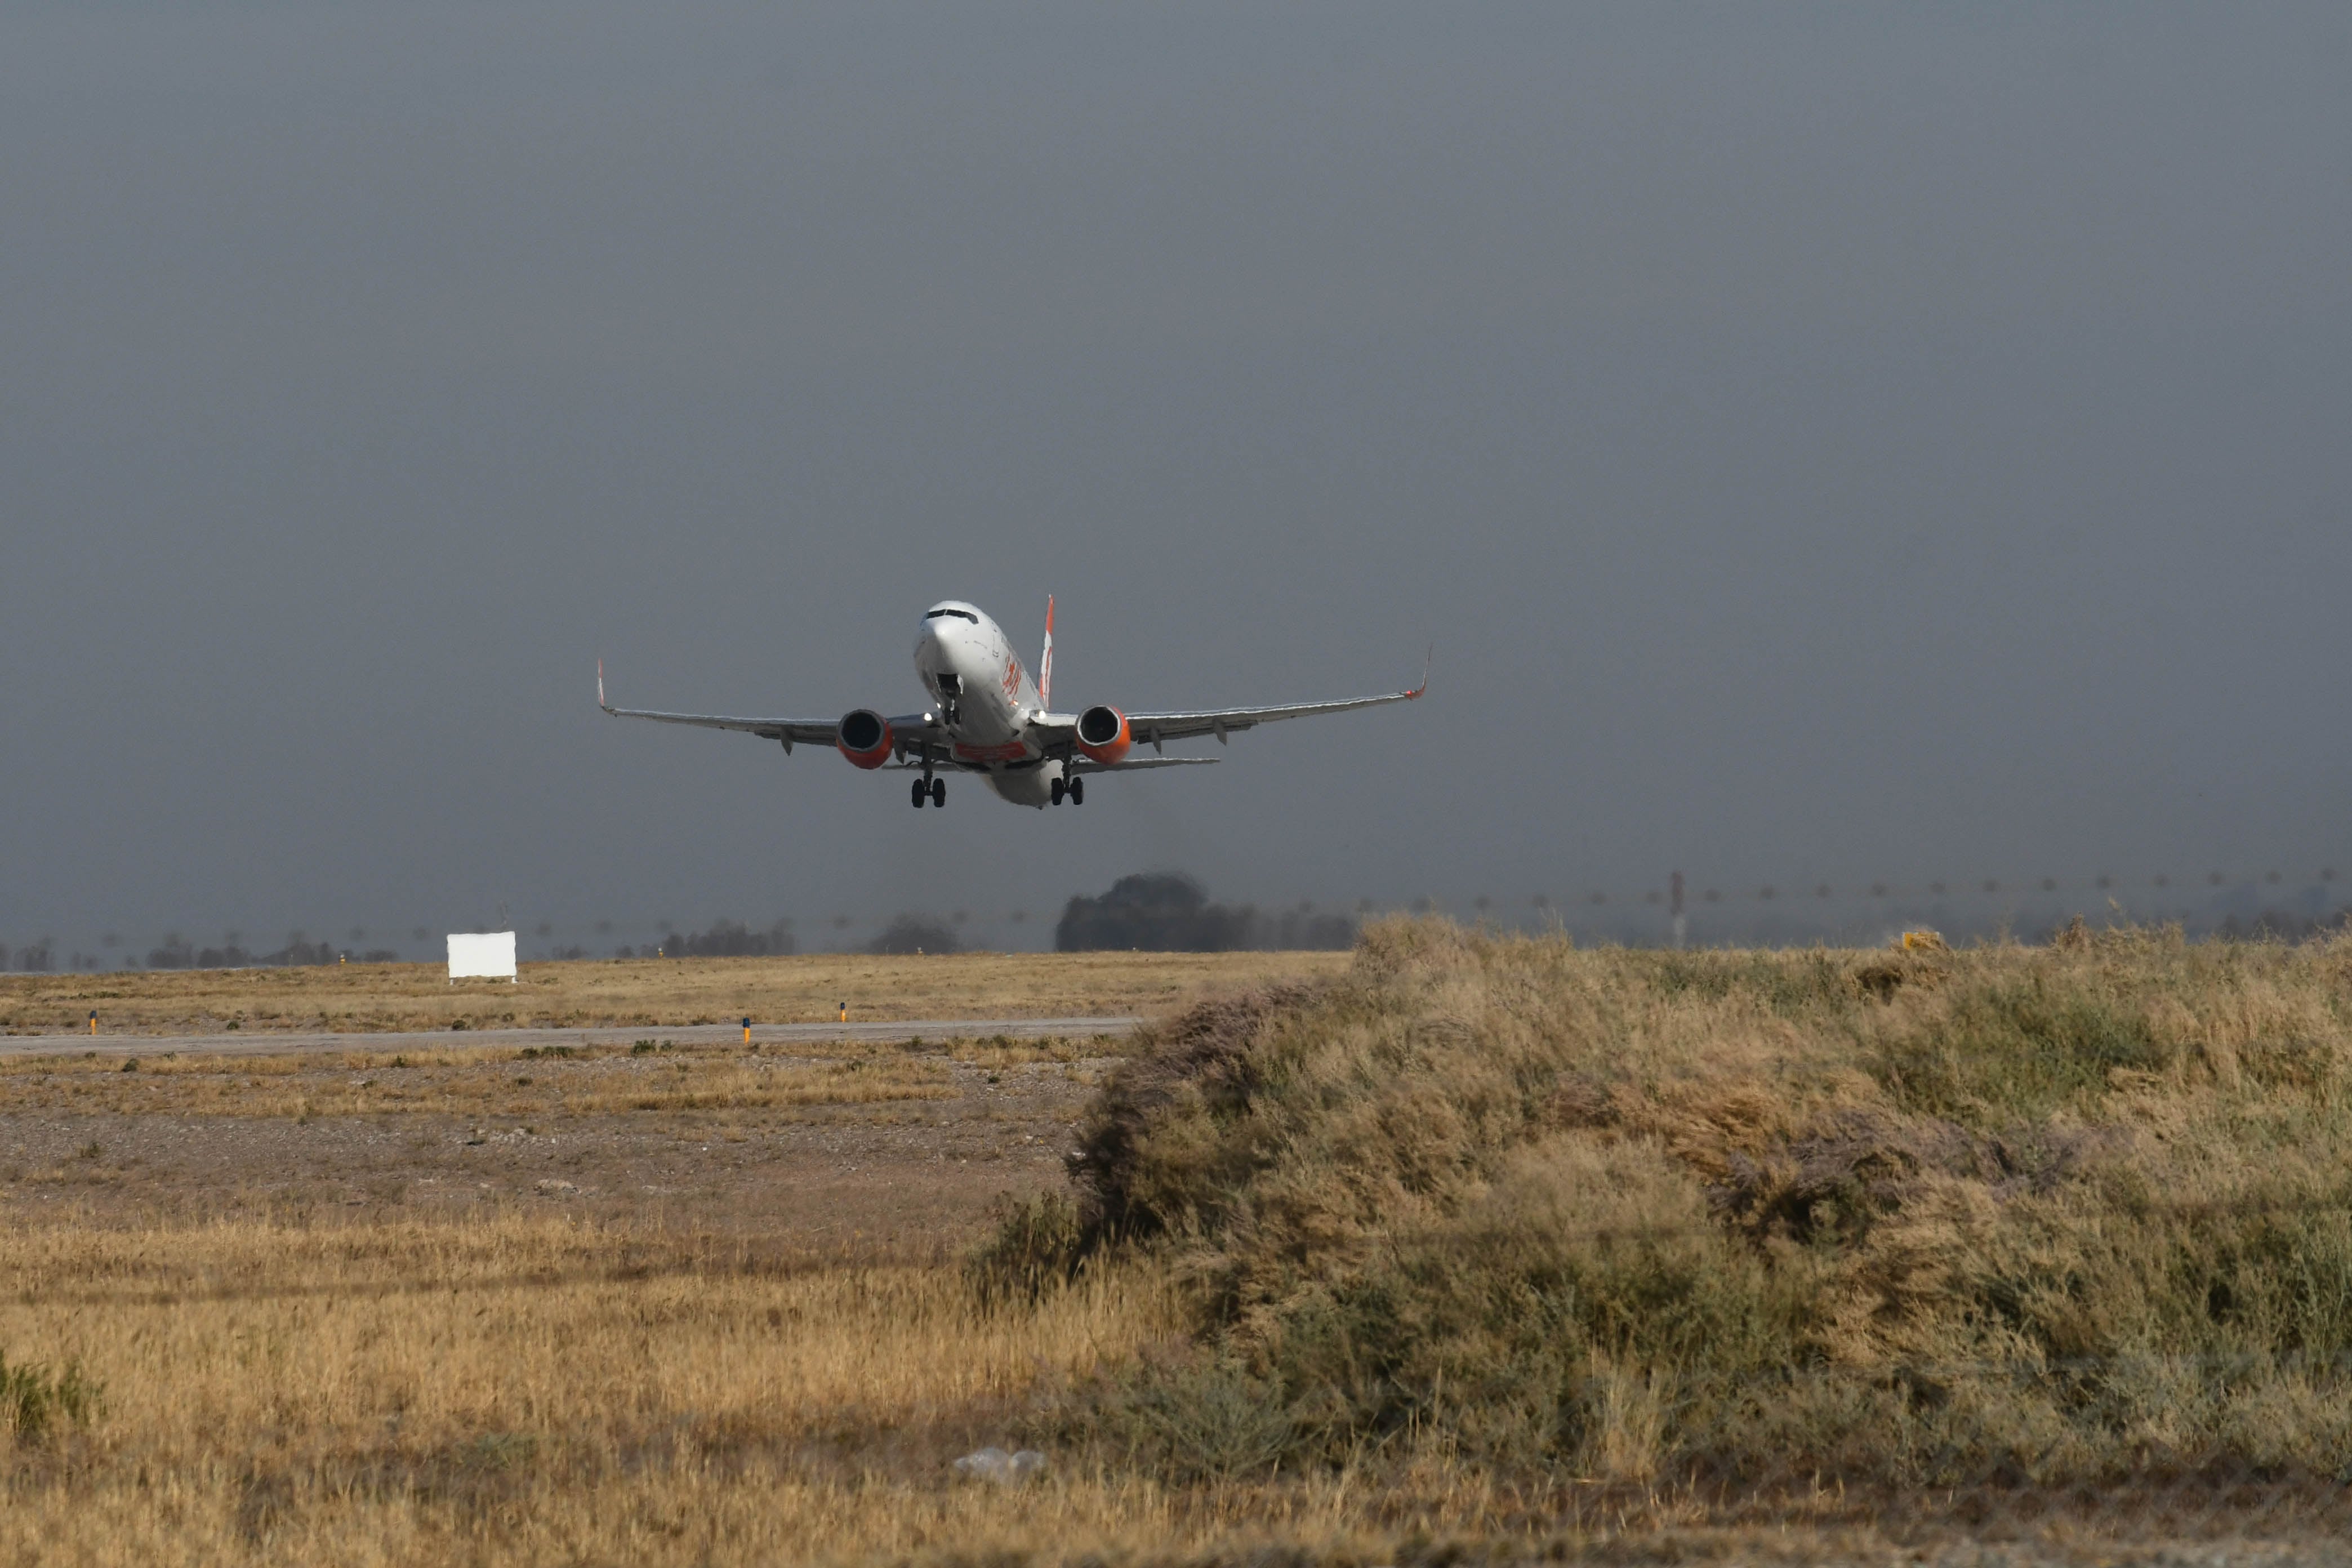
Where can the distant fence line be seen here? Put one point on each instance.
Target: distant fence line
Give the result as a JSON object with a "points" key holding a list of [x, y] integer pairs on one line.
{"points": [[2104, 884]]}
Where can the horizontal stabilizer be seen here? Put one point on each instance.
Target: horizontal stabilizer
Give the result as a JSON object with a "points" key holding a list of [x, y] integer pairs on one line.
{"points": [[1133, 765]]}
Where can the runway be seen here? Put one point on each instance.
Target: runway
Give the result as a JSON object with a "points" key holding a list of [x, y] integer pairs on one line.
{"points": [[279, 1043]]}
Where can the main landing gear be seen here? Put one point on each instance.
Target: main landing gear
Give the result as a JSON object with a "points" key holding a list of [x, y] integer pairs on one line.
{"points": [[1075, 789], [933, 790]]}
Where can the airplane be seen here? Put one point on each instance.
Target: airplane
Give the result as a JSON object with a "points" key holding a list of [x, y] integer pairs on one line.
{"points": [[986, 716]]}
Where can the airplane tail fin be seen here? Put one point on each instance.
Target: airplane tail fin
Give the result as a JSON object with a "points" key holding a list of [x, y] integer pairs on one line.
{"points": [[1045, 661]]}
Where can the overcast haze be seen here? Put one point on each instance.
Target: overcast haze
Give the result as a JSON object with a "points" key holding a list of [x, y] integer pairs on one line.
{"points": [[1825, 443]]}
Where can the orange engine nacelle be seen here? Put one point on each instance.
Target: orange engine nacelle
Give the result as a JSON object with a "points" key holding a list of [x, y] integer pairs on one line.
{"points": [[864, 738], [1102, 735]]}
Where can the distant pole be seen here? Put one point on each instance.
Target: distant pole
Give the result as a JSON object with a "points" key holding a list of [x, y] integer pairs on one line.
{"points": [[1674, 887]]}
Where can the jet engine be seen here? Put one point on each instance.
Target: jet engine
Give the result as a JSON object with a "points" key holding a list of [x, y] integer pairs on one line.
{"points": [[864, 738], [1102, 735]]}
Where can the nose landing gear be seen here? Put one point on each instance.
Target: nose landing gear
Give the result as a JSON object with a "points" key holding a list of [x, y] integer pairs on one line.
{"points": [[927, 786]]}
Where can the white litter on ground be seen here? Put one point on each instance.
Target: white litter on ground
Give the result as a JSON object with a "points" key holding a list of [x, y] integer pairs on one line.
{"points": [[993, 1464]]}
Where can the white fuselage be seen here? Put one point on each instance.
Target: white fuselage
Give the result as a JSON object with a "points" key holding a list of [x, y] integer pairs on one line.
{"points": [[983, 696]]}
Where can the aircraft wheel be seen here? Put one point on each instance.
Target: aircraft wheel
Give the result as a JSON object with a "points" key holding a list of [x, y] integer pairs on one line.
{"points": [[920, 794], [1077, 792], [939, 792], [1059, 790]]}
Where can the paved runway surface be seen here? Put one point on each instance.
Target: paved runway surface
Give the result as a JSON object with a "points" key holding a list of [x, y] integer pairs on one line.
{"points": [[259, 1043]]}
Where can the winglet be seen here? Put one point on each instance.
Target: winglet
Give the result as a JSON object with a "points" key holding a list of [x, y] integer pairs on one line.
{"points": [[1424, 673], [600, 688], [1045, 661]]}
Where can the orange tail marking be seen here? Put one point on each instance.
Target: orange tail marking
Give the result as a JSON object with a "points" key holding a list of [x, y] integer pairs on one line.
{"points": [[1045, 661]]}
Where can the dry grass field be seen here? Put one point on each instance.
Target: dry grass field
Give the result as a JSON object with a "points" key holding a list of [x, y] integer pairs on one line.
{"points": [[1466, 1249], [649, 993], [525, 1389]]}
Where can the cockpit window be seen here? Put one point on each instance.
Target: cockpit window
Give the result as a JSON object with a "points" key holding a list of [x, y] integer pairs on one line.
{"points": [[935, 614]]}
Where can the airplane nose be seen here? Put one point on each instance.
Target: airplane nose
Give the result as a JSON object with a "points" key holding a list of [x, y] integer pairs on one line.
{"points": [[935, 648]]}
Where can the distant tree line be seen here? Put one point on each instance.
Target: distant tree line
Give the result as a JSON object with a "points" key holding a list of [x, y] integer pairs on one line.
{"points": [[1165, 912], [725, 939], [912, 933], [178, 952]]}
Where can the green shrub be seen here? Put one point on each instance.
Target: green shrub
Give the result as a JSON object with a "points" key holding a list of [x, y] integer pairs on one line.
{"points": [[1206, 1417], [2009, 1049], [1036, 1245], [34, 1400]]}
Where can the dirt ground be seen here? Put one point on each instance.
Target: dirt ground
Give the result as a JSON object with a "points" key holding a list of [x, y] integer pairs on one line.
{"points": [[651, 993], [889, 1146], [895, 1148]]}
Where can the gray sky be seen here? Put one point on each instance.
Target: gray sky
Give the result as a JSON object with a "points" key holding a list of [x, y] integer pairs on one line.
{"points": [[1824, 442]]}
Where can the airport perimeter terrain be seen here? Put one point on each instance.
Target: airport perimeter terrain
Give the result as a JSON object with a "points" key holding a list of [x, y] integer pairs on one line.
{"points": [[1456, 1248]]}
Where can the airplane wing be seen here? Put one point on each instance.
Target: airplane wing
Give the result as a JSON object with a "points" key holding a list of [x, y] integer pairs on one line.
{"points": [[1187, 724], [814, 731], [1222, 721]]}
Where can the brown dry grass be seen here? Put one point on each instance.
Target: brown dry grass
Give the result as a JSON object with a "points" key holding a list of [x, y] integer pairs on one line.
{"points": [[533, 1392], [647, 993]]}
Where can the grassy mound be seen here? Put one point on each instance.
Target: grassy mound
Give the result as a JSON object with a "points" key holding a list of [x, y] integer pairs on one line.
{"points": [[2036, 1214]]}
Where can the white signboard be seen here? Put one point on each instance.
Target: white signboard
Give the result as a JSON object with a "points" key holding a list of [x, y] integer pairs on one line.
{"points": [[487, 954]]}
